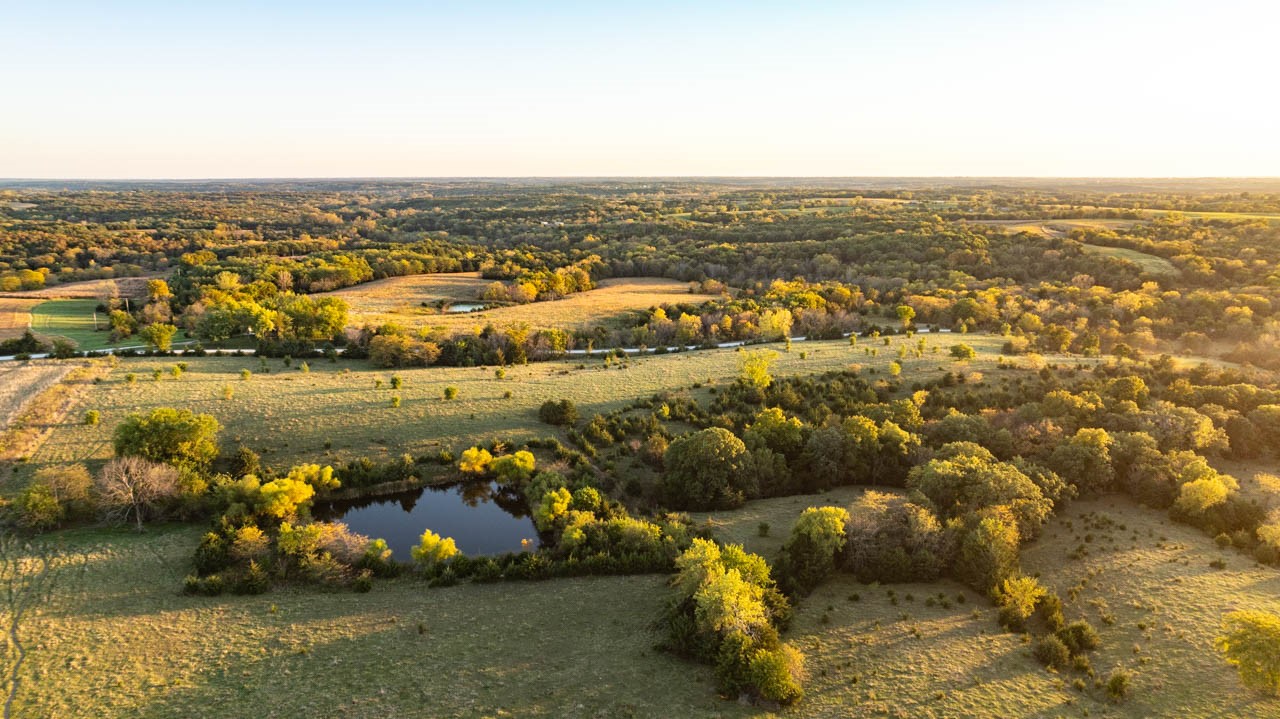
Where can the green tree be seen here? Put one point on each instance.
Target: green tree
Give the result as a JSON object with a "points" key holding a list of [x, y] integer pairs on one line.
{"points": [[708, 469], [159, 336], [905, 315], [962, 352], [178, 437]]}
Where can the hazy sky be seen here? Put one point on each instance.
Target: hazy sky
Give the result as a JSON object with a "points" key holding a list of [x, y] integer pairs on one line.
{"points": [[132, 88]]}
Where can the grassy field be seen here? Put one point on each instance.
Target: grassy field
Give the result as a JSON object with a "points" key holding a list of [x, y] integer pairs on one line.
{"points": [[288, 415], [400, 300], [1152, 264], [122, 642], [73, 319], [1146, 584], [15, 316], [90, 289], [21, 381]]}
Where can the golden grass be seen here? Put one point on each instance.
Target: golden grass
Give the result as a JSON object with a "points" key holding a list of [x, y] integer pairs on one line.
{"points": [[90, 289], [399, 300], [39, 400], [15, 316]]}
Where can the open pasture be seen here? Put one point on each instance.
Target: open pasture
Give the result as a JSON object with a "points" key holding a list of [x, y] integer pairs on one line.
{"points": [[290, 415]]}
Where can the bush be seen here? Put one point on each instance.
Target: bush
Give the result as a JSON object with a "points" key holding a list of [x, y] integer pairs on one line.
{"points": [[1079, 637], [172, 436], [1118, 685], [254, 580], [450, 393], [92, 417], [561, 413], [37, 508], [776, 674], [1051, 652]]}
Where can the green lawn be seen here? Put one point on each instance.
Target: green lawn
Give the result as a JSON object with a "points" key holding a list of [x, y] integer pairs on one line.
{"points": [[74, 320]]}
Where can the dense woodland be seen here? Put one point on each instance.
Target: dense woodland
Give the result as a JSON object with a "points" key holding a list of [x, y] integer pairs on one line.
{"points": [[973, 467]]}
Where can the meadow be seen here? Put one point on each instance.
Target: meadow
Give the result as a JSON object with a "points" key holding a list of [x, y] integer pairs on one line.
{"points": [[1145, 583], [289, 415], [121, 639], [400, 300], [74, 319]]}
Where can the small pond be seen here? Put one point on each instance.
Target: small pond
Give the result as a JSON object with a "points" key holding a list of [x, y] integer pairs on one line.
{"points": [[481, 517], [461, 307]]}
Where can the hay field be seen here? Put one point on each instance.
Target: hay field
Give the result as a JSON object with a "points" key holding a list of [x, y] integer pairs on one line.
{"points": [[1151, 264], [15, 316], [91, 289], [399, 300]]}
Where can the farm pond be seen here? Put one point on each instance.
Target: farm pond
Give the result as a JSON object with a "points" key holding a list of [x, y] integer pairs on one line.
{"points": [[481, 517]]}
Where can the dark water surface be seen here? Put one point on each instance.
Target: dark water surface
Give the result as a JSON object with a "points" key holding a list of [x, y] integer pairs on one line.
{"points": [[481, 517]]}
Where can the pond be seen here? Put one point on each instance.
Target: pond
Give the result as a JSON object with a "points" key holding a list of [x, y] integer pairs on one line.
{"points": [[461, 307], [482, 518]]}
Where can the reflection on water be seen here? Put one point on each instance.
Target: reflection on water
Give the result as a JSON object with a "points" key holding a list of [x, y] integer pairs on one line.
{"points": [[482, 517], [457, 307]]}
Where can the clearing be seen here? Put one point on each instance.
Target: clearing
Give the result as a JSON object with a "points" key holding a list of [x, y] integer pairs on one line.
{"points": [[400, 300], [1151, 264]]}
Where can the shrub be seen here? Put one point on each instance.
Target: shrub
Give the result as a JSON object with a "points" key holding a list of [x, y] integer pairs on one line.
{"points": [[475, 461], [513, 468], [776, 674], [37, 508], [1118, 685], [450, 393], [1079, 636], [433, 550], [396, 381], [254, 580], [178, 437], [92, 417], [562, 413], [1051, 652]]}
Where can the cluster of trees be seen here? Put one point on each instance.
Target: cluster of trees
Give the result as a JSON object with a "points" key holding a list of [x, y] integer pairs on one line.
{"points": [[727, 611]]}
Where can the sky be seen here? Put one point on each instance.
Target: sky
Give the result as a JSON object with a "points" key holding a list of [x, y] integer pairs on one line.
{"points": [[285, 88]]}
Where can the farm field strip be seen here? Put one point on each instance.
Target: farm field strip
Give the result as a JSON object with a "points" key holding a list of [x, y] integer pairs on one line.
{"points": [[290, 415]]}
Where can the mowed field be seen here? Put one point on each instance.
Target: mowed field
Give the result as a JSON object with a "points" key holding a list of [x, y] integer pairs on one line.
{"points": [[1146, 584], [91, 289], [288, 415], [400, 300], [22, 381], [74, 320], [15, 316]]}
